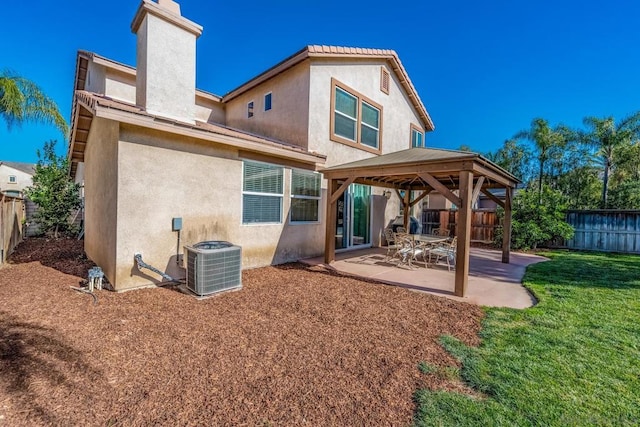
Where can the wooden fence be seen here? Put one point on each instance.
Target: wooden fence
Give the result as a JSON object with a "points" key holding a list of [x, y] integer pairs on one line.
{"points": [[605, 230], [12, 214], [483, 222]]}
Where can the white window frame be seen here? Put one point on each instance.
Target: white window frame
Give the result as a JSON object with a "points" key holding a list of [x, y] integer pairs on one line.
{"points": [[255, 193], [270, 95], [295, 196], [13, 179]]}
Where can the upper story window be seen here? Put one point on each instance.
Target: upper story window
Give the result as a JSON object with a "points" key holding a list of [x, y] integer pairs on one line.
{"points": [[262, 192], [250, 109], [12, 179], [417, 137], [305, 196], [384, 80], [355, 119], [267, 102]]}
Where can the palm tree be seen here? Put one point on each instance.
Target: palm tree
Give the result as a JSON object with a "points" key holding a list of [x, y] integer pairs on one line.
{"points": [[546, 141], [22, 100], [605, 135]]}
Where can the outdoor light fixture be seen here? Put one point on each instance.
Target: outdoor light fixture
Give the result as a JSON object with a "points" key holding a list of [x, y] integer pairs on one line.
{"points": [[387, 194]]}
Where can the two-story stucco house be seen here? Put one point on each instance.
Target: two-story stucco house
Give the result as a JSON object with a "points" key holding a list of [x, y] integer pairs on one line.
{"points": [[15, 177], [243, 167]]}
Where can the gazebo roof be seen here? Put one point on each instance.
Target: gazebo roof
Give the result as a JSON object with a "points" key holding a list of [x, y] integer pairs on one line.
{"points": [[402, 169]]}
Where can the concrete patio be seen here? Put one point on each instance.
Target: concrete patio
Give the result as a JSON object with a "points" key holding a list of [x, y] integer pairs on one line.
{"points": [[491, 282]]}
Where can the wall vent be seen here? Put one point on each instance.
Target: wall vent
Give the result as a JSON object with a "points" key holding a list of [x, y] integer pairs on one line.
{"points": [[384, 80], [213, 266]]}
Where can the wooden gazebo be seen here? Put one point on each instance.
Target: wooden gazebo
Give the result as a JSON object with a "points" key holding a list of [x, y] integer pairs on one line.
{"points": [[425, 170]]}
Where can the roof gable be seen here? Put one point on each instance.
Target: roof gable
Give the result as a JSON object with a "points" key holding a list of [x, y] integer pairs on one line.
{"points": [[322, 51]]}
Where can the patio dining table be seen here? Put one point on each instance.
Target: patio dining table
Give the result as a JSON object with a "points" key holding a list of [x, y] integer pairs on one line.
{"points": [[427, 242], [429, 238]]}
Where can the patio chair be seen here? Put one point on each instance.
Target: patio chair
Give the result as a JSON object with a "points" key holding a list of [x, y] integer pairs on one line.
{"points": [[392, 247], [441, 232], [409, 249], [444, 250], [401, 230]]}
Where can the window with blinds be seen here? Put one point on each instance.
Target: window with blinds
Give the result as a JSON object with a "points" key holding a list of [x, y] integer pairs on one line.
{"points": [[305, 196], [356, 119], [370, 126], [262, 192]]}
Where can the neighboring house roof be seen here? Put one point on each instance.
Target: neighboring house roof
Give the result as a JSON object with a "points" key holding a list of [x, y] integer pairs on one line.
{"points": [[28, 168], [104, 106], [316, 51]]}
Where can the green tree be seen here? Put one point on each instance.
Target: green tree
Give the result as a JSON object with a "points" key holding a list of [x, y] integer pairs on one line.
{"points": [[22, 100], [537, 220], [624, 192], [513, 157], [605, 136], [53, 191], [547, 142]]}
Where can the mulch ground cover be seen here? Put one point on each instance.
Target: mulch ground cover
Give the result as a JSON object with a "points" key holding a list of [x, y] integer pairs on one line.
{"points": [[296, 346]]}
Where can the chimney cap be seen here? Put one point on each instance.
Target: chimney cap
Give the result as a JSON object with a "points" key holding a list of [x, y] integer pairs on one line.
{"points": [[170, 5], [166, 10]]}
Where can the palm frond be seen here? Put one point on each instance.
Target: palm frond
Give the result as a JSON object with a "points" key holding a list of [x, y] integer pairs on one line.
{"points": [[22, 100]]}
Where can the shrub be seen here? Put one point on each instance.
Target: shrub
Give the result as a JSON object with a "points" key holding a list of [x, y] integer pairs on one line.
{"points": [[537, 219]]}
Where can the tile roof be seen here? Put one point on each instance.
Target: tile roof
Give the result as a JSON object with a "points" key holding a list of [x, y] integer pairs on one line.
{"points": [[29, 168], [93, 100]]}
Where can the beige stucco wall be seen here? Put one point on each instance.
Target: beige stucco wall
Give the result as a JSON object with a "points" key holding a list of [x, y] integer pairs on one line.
{"points": [[438, 201], [166, 69], [101, 194], [120, 86], [95, 80], [289, 115], [161, 177], [397, 116], [363, 77], [23, 180], [209, 111]]}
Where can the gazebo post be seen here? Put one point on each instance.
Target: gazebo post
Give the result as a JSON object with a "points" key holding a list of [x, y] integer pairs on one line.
{"points": [[463, 232], [506, 226], [330, 226], [405, 211]]}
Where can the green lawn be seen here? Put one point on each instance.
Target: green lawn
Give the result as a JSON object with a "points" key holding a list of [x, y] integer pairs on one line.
{"points": [[572, 360]]}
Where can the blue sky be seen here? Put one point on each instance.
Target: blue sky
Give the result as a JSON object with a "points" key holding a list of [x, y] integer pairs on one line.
{"points": [[484, 69]]}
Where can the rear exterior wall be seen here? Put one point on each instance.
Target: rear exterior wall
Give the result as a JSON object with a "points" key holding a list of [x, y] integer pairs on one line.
{"points": [[288, 118], [161, 177], [398, 114]]}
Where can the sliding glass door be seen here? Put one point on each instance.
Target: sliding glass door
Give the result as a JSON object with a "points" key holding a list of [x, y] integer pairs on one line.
{"points": [[353, 219]]}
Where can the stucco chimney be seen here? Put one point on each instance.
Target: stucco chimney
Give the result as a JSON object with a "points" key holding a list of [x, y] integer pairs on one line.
{"points": [[166, 60]]}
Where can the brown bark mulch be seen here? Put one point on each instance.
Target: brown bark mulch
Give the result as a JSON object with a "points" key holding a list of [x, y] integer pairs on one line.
{"points": [[293, 347]]}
